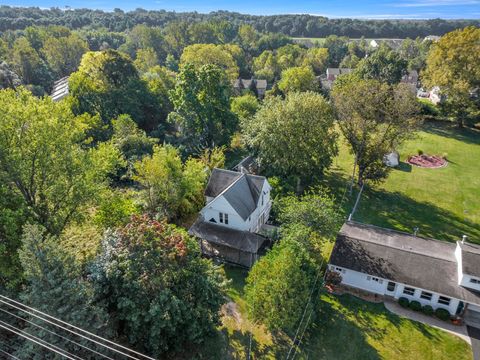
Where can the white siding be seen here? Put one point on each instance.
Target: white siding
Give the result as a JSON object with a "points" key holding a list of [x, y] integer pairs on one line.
{"points": [[221, 205], [360, 280], [465, 281]]}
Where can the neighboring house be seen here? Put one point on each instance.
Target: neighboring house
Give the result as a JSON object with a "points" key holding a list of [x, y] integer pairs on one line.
{"points": [[433, 38], [60, 89], [397, 264], [257, 86], [333, 73], [237, 206]]}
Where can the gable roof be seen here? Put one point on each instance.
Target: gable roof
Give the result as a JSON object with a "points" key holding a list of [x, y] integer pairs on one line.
{"points": [[247, 83], [242, 191], [222, 235], [425, 263]]}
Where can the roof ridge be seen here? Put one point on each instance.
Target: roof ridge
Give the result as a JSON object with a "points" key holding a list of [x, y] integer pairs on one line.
{"points": [[401, 249], [230, 186]]}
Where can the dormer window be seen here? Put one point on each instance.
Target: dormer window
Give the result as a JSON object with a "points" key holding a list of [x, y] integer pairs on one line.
{"points": [[474, 281], [262, 199], [220, 217]]}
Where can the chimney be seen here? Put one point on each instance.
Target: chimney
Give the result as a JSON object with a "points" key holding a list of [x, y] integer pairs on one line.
{"points": [[464, 238]]}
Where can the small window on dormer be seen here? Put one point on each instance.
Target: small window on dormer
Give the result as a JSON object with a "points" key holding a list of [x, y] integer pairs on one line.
{"points": [[474, 281], [220, 217], [226, 219]]}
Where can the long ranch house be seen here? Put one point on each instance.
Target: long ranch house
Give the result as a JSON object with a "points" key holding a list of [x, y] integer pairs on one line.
{"points": [[396, 264], [237, 207]]}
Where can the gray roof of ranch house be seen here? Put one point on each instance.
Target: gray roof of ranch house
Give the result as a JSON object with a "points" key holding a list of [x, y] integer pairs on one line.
{"points": [[412, 260]]}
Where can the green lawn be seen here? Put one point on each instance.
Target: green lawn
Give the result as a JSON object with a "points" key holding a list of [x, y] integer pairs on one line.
{"points": [[346, 328], [444, 203]]}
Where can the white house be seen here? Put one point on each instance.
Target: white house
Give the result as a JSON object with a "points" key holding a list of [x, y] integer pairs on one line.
{"points": [[397, 264], [237, 206]]}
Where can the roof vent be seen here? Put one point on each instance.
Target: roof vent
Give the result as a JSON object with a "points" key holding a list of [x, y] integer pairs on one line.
{"points": [[464, 238]]}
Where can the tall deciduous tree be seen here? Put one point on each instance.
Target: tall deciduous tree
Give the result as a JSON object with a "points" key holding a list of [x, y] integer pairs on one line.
{"points": [[453, 63], [384, 65], [54, 285], [203, 54], [374, 118], [44, 157], [279, 286], [293, 136], [63, 54], [161, 294], [297, 79], [202, 107], [107, 83], [172, 188]]}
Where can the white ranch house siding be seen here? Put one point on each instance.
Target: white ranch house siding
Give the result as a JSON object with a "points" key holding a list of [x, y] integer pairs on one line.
{"points": [[359, 280]]}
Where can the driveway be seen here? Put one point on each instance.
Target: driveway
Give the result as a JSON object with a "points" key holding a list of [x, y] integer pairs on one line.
{"points": [[474, 334]]}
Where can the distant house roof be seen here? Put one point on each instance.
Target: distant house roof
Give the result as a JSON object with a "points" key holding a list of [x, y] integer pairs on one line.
{"points": [[222, 235], [332, 73], [259, 84], [60, 89], [242, 191], [425, 263]]}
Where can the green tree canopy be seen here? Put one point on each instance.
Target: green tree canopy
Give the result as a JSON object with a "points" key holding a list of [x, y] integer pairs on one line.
{"points": [[49, 164], [107, 83], [384, 65], [203, 54], [202, 108], [161, 294], [63, 54], [279, 286], [375, 118], [171, 188], [297, 79], [293, 136], [453, 63], [245, 106]]}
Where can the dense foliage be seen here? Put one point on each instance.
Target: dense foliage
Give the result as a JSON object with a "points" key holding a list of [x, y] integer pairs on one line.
{"points": [[160, 294], [13, 18]]}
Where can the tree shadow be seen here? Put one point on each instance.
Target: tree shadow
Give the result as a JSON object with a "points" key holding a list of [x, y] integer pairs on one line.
{"points": [[450, 130], [404, 166], [335, 336], [395, 210]]}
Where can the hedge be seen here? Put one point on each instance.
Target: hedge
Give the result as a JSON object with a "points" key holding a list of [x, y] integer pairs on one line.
{"points": [[427, 310], [442, 314], [403, 302], [415, 305]]}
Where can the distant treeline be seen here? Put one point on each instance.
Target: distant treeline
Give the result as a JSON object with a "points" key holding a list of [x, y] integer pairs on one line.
{"points": [[18, 18]]}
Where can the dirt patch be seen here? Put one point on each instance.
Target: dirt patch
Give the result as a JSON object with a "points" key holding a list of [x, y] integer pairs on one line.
{"points": [[231, 310]]}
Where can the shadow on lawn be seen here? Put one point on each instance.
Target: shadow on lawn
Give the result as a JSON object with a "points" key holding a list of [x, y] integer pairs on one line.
{"points": [[397, 211], [467, 135]]}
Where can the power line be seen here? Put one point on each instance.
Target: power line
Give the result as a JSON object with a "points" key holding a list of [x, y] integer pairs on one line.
{"points": [[34, 339], [54, 333], [8, 354], [72, 331]]}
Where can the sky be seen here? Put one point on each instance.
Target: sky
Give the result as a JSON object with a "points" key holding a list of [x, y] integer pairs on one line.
{"points": [[362, 9]]}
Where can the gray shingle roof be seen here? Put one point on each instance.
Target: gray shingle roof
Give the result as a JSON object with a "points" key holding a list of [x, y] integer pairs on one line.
{"points": [[425, 263], [242, 191], [470, 259], [236, 239]]}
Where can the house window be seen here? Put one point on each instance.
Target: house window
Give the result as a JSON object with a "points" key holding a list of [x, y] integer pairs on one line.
{"points": [[409, 291], [474, 281], [373, 278], [226, 219], [444, 300], [340, 270], [426, 295], [391, 286], [220, 217], [262, 199]]}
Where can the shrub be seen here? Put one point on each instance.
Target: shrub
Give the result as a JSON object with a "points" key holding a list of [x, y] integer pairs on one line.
{"points": [[427, 310], [403, 302], [419, 151], [415, 305], [442, 314]]}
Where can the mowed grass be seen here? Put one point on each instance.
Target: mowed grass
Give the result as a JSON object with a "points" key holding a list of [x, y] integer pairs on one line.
{"points": [[443, 203], [345, 328]]}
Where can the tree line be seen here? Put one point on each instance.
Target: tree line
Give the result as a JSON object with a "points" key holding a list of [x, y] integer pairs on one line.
{"points": [[17, 18]]}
